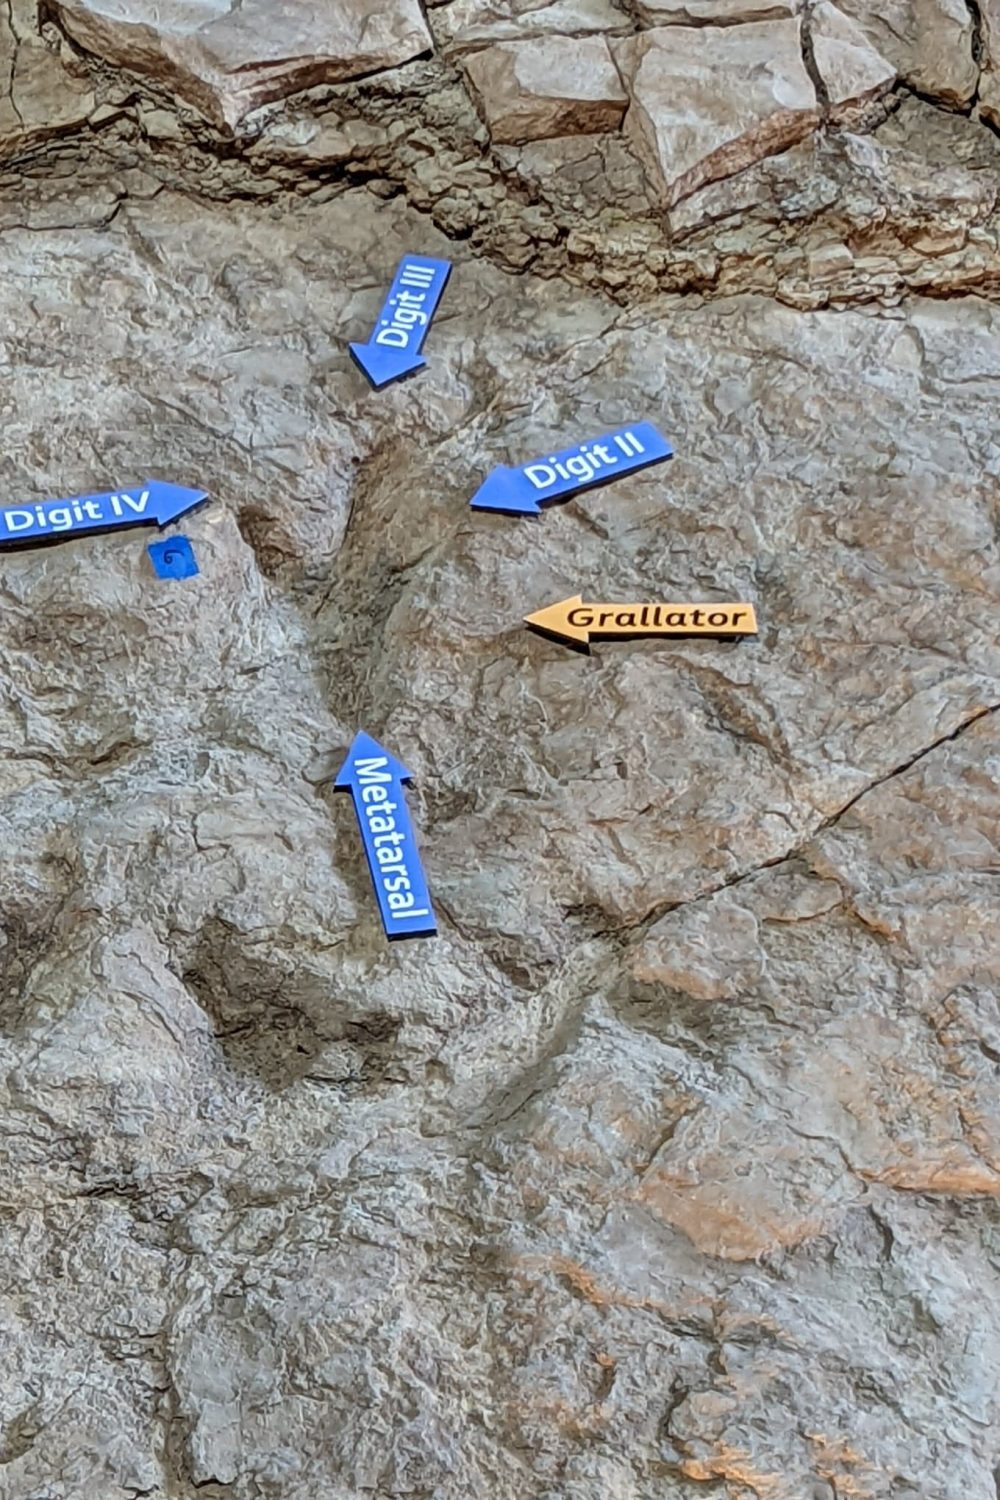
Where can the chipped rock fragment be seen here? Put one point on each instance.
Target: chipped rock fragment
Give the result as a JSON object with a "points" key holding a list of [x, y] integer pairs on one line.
{"points": [[466, 24], [713, 12], [929, 42], [851, 70], [225, 61], [707, 102], [529, 91]]}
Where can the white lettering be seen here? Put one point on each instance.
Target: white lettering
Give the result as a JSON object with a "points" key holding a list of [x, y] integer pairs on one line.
{"points": [[9, 515], [540, 483], [137, 505], [371, 769]]}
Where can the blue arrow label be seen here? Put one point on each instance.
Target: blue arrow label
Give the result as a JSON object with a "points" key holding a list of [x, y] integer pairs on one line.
{"points": [[557, 475], [394, 347], [375, 781], [152, 503]]}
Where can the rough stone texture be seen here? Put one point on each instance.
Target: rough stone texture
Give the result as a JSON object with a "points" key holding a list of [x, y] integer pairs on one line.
{"points": [[989, 82], [851, 72], [929, 42], [712, 12], [39, 100], [226, 57], [707, 102], [670, 1170], [530, 91], [464, 24]]}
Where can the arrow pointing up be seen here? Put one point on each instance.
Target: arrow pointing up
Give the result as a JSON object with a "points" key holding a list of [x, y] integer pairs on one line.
{"points": [[572, 620], [364, 748], [375, 780]]}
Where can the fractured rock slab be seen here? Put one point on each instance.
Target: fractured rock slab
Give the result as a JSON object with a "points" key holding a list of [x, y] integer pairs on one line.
{"points": [[989, 83], [39, 98], [713, 12], [708, 102], [225, 59], [928, 41], [466, 24], [851, 70], [530, 91]]}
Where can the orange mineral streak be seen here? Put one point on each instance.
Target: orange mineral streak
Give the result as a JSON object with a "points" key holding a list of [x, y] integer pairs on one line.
{"points": [[960, 1179], [732, 1467], [586, 1285], [833, 1459]]}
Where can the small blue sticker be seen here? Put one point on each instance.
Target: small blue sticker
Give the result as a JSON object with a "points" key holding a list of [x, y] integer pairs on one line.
{"points": [[173, 558]]}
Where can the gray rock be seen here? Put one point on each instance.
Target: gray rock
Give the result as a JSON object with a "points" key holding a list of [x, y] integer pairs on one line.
{"points": [[670, 1167]]}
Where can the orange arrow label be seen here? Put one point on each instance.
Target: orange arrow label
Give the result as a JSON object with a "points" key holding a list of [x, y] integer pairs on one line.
{"points": [[572, 620]]}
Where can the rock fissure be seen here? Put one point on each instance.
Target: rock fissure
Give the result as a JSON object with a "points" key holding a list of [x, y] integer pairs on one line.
{"points": [[678, 1141]]}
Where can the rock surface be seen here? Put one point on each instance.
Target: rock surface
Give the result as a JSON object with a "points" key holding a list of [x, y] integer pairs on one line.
{"points": [[670, 1169], [464, 24], [713, 12], [226, 57], [530, 91], [707, 102], [930, 43], [851, 72]]}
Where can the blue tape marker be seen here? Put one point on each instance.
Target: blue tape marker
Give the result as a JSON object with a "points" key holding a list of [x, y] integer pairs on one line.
{"points": [[375, 780], [560, 475], [394, 347], [173, 558]]}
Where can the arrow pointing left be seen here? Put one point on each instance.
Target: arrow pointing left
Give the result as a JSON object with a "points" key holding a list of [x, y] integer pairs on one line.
{"points": [[578, 623], [153, 503], [556, 476], [375, 780], [394, 347]]}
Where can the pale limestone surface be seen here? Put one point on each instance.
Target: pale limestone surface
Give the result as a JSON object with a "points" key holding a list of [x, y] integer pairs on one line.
{"points": [[713, 12], [929, 42], [464, 24], [851, 71], [530, 91], [707, 102], [989, 82], [226, 57], [671, 1168]]}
